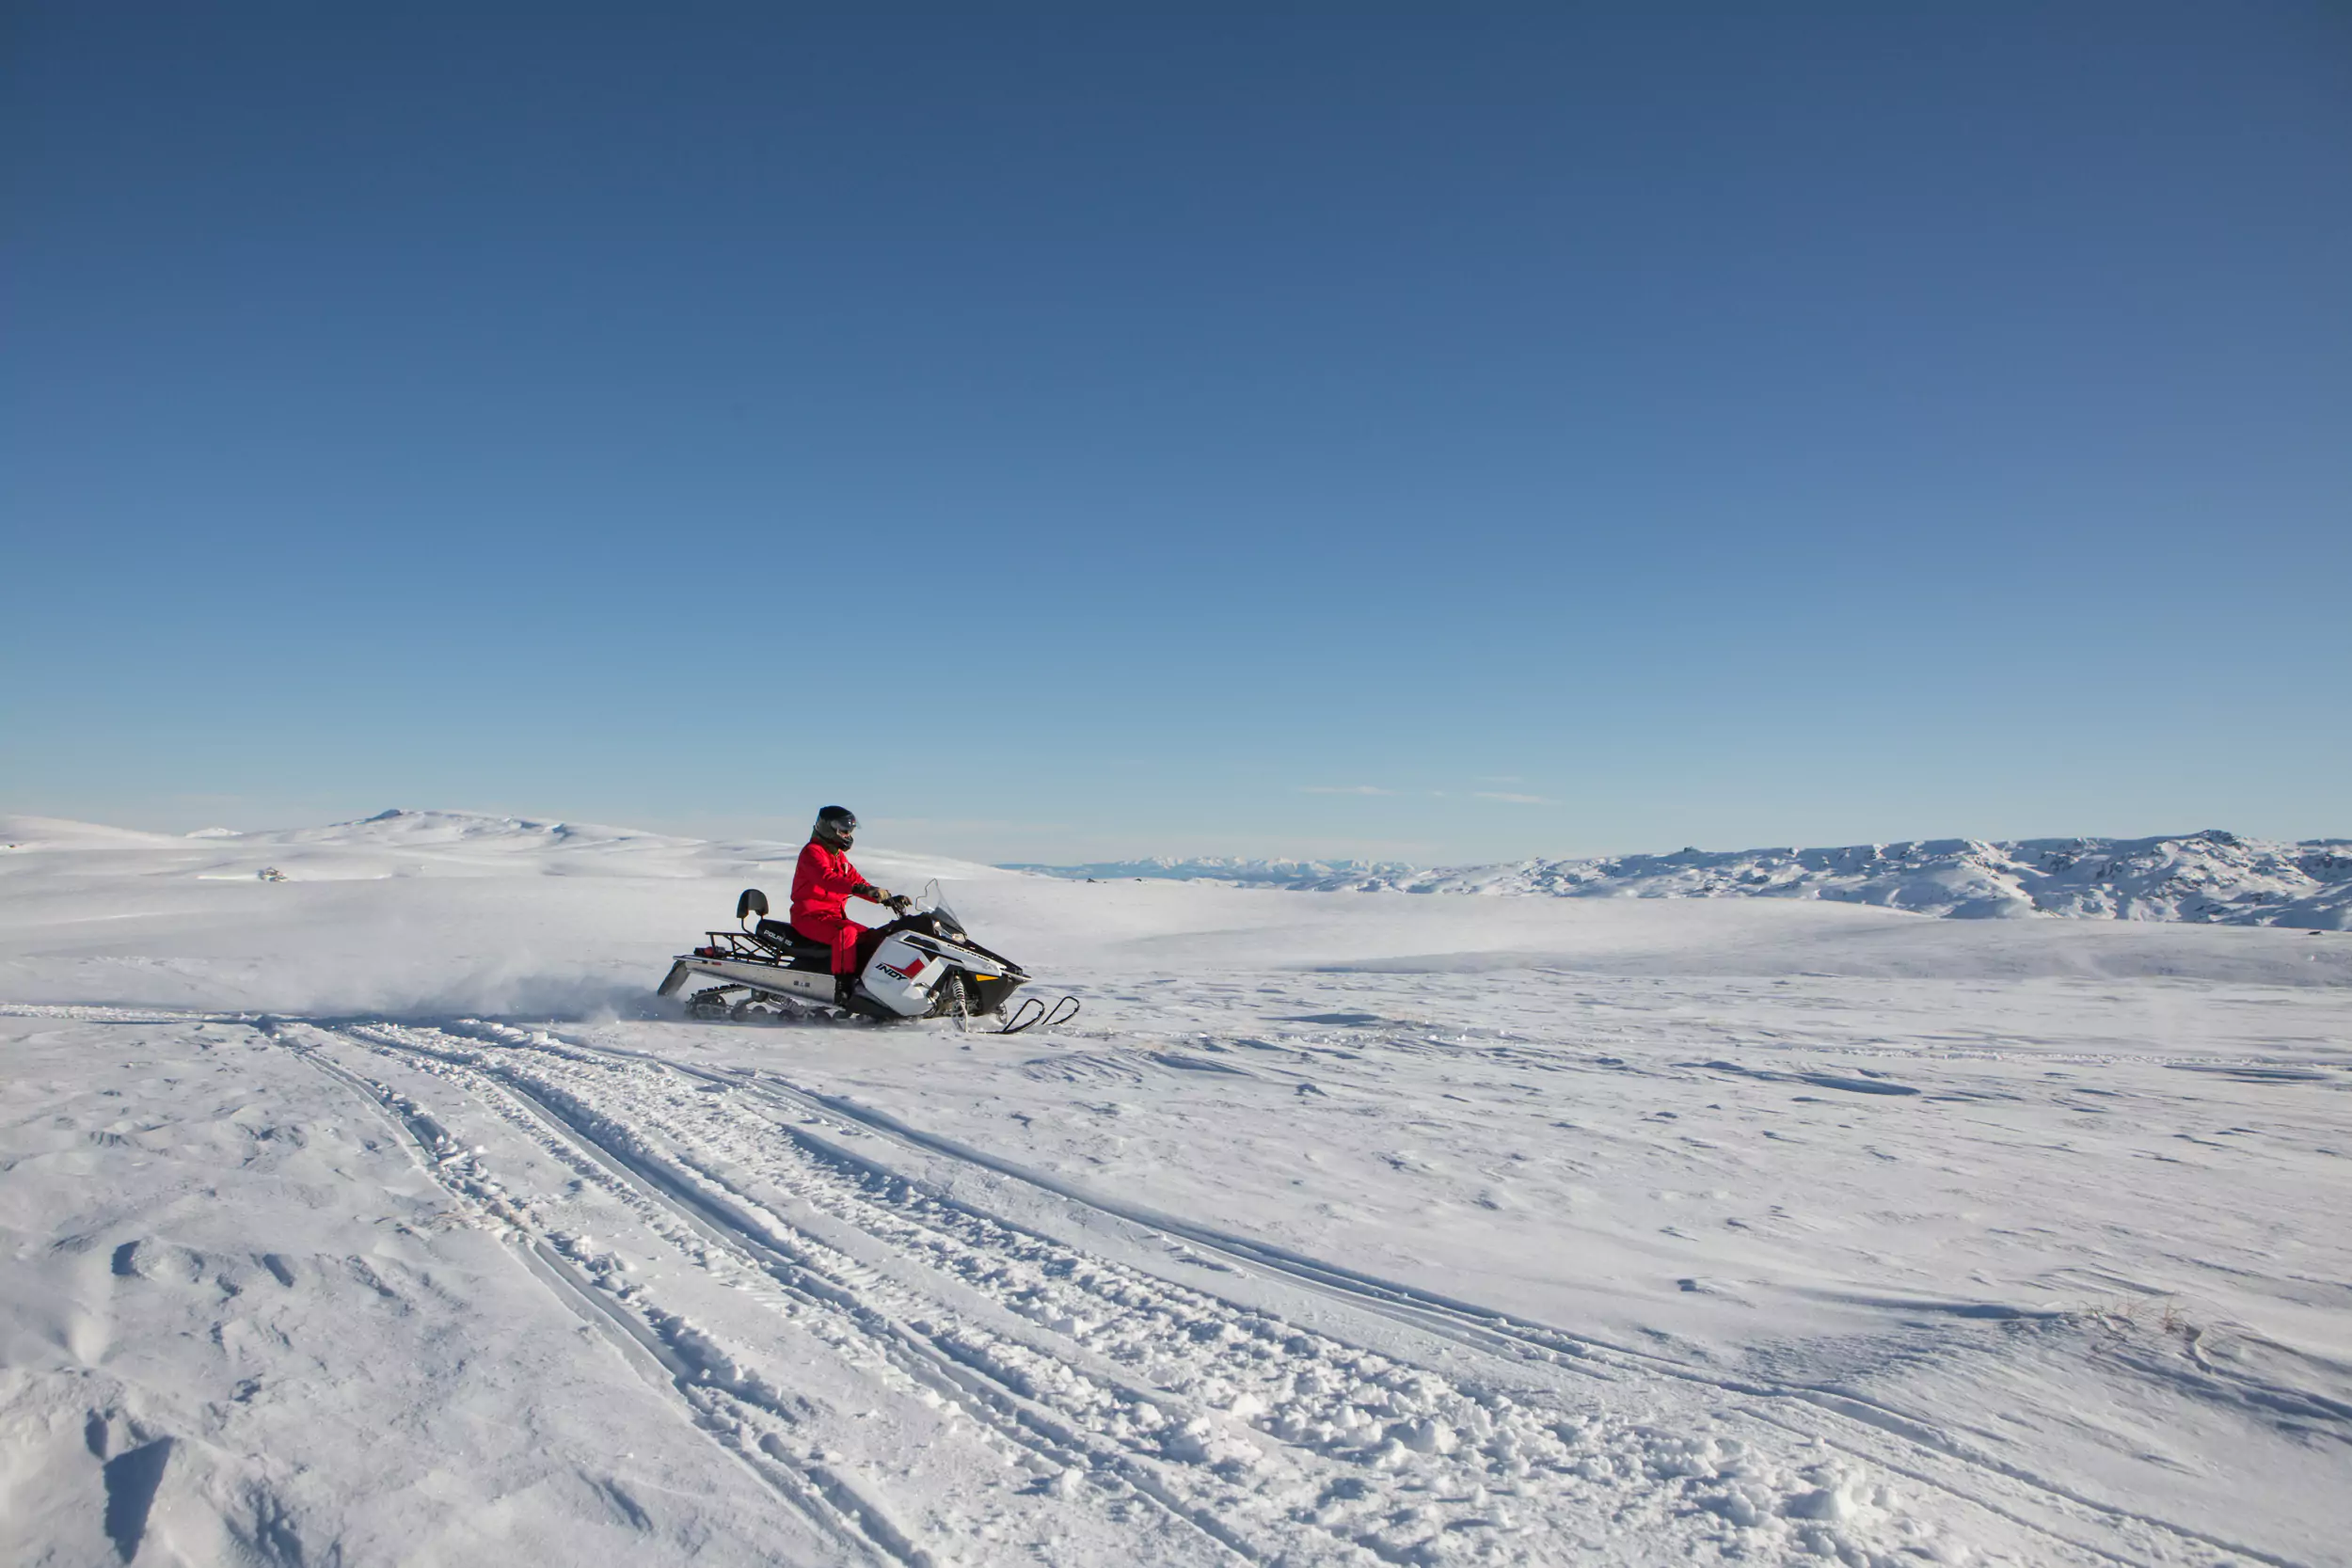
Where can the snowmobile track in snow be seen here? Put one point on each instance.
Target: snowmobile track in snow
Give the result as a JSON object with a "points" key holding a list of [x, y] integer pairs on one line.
{"points": [[833, 1507], [1486, 1330], [982, 1391], [1259, 1439], [717, 1218]]}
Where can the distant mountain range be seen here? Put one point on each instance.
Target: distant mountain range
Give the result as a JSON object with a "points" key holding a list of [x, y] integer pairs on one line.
{"points": [[2213, 878]]}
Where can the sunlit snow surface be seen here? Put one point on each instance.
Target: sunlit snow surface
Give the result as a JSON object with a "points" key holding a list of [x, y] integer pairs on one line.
{"points": [[380, 1214]]}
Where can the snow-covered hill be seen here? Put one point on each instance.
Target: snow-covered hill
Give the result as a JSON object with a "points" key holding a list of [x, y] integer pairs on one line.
{"points": [[402, 844], [2213, 877]]}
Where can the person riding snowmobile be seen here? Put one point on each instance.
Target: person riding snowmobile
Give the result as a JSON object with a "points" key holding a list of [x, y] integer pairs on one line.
{"points": [[823, 882]]}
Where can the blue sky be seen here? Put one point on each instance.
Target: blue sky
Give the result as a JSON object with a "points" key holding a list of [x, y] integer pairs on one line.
{"points": [[1075, 430]]}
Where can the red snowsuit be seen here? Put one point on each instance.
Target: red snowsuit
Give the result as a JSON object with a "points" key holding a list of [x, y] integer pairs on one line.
{"points": [[820, 883]]}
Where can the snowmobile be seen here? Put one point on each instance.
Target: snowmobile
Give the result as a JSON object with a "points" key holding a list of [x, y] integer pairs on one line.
{"points": [[921, 965]]}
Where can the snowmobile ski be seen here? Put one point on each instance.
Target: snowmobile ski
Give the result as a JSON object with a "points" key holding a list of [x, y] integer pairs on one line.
{"points": [[1023, 1018]]}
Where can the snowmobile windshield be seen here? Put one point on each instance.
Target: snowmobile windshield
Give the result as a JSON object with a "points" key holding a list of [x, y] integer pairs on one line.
{"points": [[930, 901]]}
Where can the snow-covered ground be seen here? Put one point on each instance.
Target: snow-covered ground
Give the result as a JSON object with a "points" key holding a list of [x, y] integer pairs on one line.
{"points": [[378, 1213], [2214, 877]]}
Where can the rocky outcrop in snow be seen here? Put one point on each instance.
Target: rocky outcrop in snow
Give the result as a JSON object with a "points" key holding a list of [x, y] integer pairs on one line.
{"points": [[2213, 878]]}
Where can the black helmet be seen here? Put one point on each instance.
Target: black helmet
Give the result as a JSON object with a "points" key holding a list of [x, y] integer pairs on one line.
{"points": [[836, 826]]}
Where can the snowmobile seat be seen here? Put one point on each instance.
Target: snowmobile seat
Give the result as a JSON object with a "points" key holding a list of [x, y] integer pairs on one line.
{"points": [[793, 945]]}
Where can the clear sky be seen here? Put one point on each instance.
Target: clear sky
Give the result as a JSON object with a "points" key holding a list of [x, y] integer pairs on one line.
{"points": [[1059, 432]]}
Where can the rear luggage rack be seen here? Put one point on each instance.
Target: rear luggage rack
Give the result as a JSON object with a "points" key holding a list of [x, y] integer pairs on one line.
{"points": [[743, 945]]}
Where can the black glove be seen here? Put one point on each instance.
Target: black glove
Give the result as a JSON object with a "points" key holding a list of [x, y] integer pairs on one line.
{"points": [[901, 902], [869, 891]]}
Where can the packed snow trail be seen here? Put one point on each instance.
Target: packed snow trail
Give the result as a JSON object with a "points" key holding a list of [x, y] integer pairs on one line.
{"points": [[1147, 1420]]}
